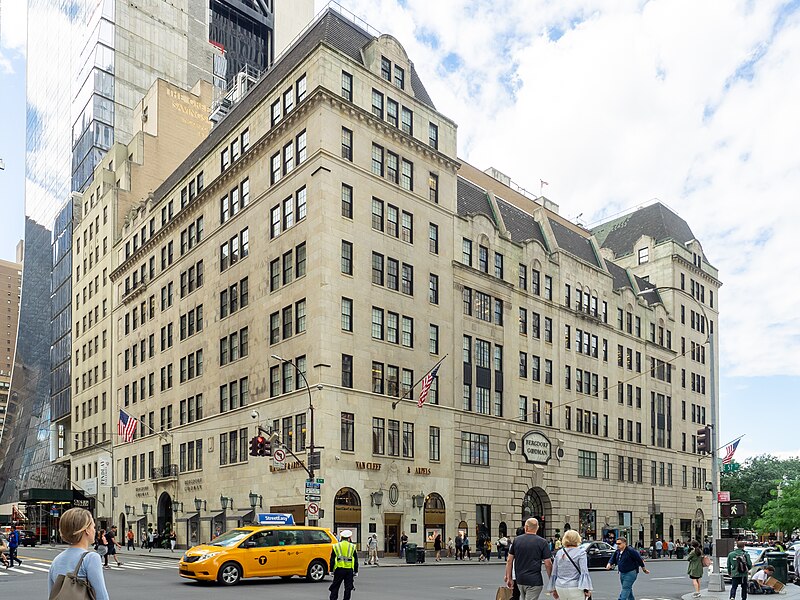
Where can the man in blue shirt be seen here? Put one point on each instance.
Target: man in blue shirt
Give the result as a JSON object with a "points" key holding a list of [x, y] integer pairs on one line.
{"points": [[13, 544], [628, 561]]}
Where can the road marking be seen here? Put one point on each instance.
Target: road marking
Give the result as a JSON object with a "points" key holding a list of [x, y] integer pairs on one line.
{"points": [[127, 566], [665, 578], [148, 565], [41, 564], [18, 570], [37, 568]]}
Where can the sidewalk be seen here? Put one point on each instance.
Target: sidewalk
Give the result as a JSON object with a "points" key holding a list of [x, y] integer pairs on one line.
{"points": [[790, 592]]}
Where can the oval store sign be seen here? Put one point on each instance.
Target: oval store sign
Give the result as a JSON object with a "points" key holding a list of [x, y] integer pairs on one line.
{"points": [[536, 448]]}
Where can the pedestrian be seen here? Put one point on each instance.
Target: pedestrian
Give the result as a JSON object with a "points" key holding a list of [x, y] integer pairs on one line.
{"points": [[487, 548], [759, 581], [502, 547], [403, 544], [695, 567], [151, 538], [112, 544], [664, 547], [437, 547], [129, 536], [628, 562], [524, 565], [797, 566], [78, 530], [13, 545], [451, 547], [173, 540], [671, 548], [372, 547], [344, 566], [143, 540], [459, 547], [657, 548], [3, 552], [465, 547], [570, 579], [557, 544], [739, 565]]}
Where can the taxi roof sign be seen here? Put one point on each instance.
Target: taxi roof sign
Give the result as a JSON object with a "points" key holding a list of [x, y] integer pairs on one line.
{"points": [[275, 519]]}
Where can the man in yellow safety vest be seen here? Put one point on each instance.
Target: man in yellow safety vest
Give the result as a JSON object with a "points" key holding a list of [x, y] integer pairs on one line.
{"points": [[344, 564]]}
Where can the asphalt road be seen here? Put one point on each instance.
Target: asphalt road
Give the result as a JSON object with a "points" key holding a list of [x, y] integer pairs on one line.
{"points": [[154, 578]]}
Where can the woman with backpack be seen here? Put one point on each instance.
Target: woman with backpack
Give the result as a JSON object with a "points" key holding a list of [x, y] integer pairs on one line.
{"points": [[695, 568], [570, 579]]}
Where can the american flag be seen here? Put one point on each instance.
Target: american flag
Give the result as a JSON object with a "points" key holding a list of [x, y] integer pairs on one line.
{"points": [[126, 426], [730, 449], [427, 381]]}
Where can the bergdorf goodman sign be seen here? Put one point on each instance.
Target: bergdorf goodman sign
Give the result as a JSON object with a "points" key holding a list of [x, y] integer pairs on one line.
{"points": [[536, 448]]}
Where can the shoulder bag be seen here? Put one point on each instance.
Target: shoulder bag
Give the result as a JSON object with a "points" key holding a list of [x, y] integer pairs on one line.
{"points": [[71, 587], [577, 568]]}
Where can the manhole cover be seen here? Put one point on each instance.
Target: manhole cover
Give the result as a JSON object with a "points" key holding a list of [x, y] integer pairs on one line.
{"points": [[465, 587]]}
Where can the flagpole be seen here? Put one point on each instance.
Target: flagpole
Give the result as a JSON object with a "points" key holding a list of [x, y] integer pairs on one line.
{"points": [[409, 390], [733, 441]]}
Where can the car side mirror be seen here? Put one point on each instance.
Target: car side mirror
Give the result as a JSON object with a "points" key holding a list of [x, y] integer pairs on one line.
{"points": [[249, 544]]}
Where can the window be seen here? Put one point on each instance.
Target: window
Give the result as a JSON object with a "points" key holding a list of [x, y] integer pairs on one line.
{"points": [[386, 68], [377, 160], [433, 188], [347, 314], [399, 77], [347, 86], [466, 252], [378, 435], [347, 371], [392, 112], [347, 201], [348, 431], [408, 440], [433, 135], [394, 438], [433, 289], [434, 440], [347, 258], [433, 339], [347, 144], [644, 255], [433, 238], [377, 104], [474, 449], [407, 121], [587, 464], [407, 175]]}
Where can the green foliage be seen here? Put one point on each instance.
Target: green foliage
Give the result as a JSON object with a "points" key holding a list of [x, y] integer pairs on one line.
{"points": [[782, 513], [756, 483]]}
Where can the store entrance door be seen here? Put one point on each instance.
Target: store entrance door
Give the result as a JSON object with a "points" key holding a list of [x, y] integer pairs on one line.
{"points": [[391, 529]]}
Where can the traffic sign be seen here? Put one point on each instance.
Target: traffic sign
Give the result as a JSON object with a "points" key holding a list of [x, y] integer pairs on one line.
{"points": [[279, 458], [730, 467], [312, 509], [313, 497], [732, 510], [310, 485], [320, 480], [723, 496]]}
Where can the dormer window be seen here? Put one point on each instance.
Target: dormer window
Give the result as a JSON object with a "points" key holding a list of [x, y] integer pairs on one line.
{"points": [[386, 68], [644, 255]]}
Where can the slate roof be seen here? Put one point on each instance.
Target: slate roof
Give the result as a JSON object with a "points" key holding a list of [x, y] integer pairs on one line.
{"points": [[656, 221], [574, 243], [473, 200], [331, 29], [619, 275], [520, 225]]}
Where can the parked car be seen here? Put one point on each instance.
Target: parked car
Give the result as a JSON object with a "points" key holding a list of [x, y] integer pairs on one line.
{"points": [[598, 554], [757, 557]]}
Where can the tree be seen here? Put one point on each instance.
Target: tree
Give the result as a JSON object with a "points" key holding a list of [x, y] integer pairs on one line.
{"points": [[756, 482], [783, 512]]}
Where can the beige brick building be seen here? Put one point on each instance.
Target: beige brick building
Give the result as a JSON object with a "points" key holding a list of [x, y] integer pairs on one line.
{"points": [[10, 282], [328, 221]]}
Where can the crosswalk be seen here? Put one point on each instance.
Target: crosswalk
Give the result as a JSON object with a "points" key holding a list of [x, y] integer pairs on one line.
{"points": [[30, 567]]}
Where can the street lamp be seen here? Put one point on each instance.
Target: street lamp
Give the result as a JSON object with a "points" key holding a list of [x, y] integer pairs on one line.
{"points": [[200, 504], [715, 582], [225, 502], [255, 499], [146, 508], [311, 456]]}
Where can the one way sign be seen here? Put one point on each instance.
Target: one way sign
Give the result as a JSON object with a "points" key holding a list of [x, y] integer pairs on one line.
{"points": [[732, 510]]}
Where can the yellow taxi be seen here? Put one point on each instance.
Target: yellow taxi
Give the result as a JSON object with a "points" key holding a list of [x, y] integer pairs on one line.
{"points": [[258, 551]]}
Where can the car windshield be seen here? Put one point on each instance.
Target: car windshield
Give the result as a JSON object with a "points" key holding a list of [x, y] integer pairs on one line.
{"points": [[230, 538]]}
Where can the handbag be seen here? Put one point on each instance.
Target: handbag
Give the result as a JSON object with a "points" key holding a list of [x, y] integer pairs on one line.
{"points": [[71, 587], [102, 550], [504, 593], [706, 561]]}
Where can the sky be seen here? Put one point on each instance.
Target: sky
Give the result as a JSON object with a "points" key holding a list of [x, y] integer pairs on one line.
{"points": [[614, 103]]}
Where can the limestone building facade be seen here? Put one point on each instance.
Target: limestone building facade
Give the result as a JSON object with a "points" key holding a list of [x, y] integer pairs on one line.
{"points": [[327, 227]]}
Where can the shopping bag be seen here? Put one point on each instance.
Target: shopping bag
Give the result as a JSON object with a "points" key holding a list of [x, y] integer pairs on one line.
{"points": [[504, 593]]}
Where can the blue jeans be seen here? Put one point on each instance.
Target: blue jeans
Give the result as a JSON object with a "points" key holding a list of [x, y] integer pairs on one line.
{"points": [[627, 580]]}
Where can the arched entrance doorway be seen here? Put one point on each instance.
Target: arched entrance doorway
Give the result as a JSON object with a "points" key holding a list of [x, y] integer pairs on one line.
{"points": [[434, 519], [347, 512], [536, 503], [164, 515]]}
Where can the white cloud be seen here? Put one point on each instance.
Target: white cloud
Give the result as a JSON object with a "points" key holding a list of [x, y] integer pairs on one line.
{"points": [[618, 102], [13, 21]]}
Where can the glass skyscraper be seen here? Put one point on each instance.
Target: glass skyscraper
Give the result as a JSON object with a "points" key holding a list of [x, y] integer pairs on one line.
{"points": [[89, 63]]}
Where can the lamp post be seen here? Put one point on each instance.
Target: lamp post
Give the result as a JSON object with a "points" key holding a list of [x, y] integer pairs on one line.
{"points": [[311, 456], [715, 581]]}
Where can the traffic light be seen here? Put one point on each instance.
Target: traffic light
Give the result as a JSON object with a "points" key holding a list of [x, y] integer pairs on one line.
{"points": [[704, 439], [255, 445], [266, 447]]}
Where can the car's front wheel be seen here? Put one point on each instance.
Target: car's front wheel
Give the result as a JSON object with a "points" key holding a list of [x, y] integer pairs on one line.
{"points": [[316, 570], [229, 574]]}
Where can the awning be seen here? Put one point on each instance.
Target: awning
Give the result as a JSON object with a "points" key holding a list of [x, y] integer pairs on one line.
{"points": [[244, 515], [189, 516], [215, 516]]}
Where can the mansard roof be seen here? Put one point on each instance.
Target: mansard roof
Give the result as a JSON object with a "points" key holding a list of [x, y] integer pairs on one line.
{"points": [[655, 221]]}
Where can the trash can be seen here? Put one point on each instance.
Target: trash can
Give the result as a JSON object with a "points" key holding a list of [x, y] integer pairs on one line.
{"points": [[679, 552], [780, 562], [411, 554], [420, 554]]}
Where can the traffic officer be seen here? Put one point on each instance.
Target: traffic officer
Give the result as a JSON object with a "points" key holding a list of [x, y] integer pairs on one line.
{"points": [[344, 564]]}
